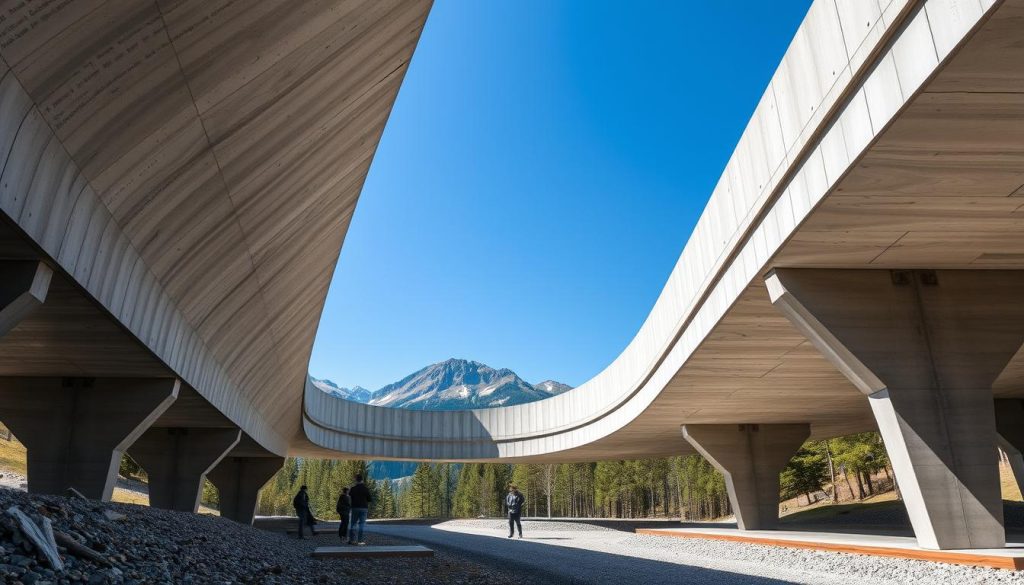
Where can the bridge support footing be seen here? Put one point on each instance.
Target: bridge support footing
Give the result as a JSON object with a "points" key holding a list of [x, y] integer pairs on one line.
{"points": [[924, 347], [239, 480], [750, 456], [77, 429], [177, 460]]}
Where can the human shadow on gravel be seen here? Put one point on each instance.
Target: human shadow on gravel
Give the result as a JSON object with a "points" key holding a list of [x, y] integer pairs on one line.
{"points": [[536, 562]]}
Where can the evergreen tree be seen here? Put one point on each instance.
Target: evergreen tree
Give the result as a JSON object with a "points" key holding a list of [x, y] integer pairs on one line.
{"points": [[805, 474], [424, 495]]}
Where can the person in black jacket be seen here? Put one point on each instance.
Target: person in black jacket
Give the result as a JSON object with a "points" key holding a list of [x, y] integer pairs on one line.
{"points": [[344, 508], [301, 503], [361, 500], [514, 504]]}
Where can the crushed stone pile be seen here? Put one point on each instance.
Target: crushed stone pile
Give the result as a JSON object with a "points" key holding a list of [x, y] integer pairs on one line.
{"points": [[105, 543]]}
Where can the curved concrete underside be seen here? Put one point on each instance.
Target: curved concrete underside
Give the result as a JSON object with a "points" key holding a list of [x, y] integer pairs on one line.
{"points": [[191, 166], [889, 137]]}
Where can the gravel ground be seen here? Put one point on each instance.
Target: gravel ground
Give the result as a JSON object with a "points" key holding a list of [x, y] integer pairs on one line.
{"points": [[11, 480], [572, 554], [157, 546]]}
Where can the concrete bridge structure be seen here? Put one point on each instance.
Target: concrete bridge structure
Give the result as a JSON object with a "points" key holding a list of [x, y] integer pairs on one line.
{"points": [[178, 177]]}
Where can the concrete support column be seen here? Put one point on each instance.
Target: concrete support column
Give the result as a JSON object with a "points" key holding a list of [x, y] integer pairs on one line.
{"points": [[1010, 435], [177, 460], [239, 480], [751, 457], [23, 287], [925, 348], [77, 429]]}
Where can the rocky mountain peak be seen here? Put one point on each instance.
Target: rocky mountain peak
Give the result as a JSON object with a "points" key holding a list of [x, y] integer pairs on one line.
{"points": [[454, 384]]}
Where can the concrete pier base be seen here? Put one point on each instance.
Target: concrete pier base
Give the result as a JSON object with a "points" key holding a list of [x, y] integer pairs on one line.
{"points": [[925, 347], [239, 480], [177, 460], [751, 457], [77, 429]]}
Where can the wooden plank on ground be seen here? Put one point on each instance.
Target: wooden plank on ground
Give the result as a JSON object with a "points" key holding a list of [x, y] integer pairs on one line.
{"points": [[365, 552]]}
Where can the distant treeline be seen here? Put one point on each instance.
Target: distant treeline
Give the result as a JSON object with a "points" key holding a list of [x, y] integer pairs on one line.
{"points": [[845, 468]]}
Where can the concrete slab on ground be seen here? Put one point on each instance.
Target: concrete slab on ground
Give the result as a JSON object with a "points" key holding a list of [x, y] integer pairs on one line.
{"points": [[366, 552], [1011, 557], [318, 529]]}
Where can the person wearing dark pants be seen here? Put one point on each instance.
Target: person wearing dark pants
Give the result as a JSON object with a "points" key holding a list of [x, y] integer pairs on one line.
{"points": [[344, 508], [301, 503], [361, 500], [514, 504]]}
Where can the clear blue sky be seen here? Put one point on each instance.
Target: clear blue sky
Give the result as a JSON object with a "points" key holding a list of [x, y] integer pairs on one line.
{"points": [[542, 169]]}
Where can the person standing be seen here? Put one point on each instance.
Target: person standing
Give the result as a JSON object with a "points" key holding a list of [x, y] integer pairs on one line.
{"points": [[514, 504], [301, 504], [344, 508], [361, 500]]}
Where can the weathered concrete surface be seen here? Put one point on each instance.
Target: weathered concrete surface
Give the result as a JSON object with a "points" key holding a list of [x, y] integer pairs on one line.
{"points": [[193, 167]]}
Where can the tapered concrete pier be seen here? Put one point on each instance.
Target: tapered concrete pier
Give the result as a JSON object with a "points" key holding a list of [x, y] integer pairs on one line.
{"points": [[925, 347]]}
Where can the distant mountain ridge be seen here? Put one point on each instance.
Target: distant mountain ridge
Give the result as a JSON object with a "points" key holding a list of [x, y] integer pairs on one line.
{"points": [[356, 393], [453, 384]]}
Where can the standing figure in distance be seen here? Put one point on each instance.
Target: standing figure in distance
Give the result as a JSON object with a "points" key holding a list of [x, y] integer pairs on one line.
{"points": [[514, 504], [301, 503], [344, 508], [361, 499]]}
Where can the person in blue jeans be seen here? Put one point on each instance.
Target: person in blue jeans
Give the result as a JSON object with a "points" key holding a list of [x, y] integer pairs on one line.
{"points": [[514, 504], [361, 500]]}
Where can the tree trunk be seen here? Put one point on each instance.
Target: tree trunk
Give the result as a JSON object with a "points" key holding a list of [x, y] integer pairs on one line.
{"points": [[831, 471], [549, 477]]}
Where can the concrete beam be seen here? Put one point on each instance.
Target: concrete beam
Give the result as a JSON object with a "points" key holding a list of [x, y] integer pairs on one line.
{"points": [[239, 480], [23, 287], [77, 429], [751, 457], [925, 347], [177, 460]]}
